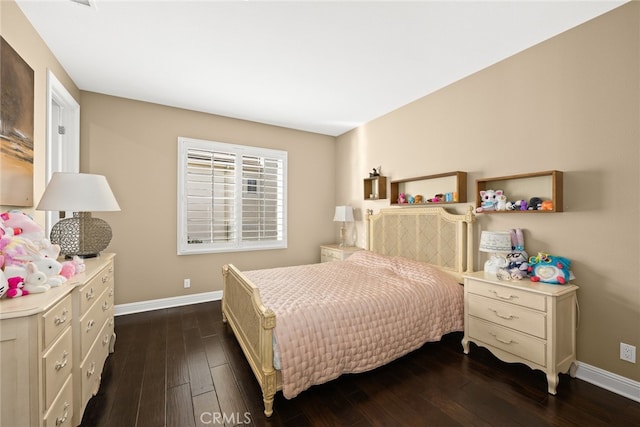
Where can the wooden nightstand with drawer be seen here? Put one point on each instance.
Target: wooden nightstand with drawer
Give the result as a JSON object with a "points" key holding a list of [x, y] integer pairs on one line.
{"points": [[522, 321], [336, 252]]}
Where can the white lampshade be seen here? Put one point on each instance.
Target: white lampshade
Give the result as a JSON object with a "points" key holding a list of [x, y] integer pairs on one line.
{"points": [[78, 192], [343, 214], [81, 193], [495, 241]]}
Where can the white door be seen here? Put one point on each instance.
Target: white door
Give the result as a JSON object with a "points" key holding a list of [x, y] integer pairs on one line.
{"points": [[63, 135]]}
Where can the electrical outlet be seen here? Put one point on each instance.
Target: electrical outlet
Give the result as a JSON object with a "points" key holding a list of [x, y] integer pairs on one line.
{"points": [[627, 352], [187, 283]]}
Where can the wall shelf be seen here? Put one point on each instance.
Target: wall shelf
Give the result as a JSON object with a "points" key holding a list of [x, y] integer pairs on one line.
{"points": [[375, 188], [546, 185], [430, 185]]}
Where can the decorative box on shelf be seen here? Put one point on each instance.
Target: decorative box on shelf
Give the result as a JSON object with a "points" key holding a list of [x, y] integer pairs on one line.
{"points": [[546, 186], [375, 187], [451, 187]]}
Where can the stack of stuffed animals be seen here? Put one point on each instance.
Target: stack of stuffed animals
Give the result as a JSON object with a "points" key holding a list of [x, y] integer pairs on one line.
{"points": [[28, 260]]}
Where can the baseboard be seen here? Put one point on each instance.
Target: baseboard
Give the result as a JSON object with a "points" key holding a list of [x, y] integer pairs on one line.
{"points": [[596, 376], [157, 304], [609, 381]]}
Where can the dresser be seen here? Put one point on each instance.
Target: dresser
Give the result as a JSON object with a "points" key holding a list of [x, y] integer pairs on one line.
{"points": [[336, 252], [53, 346], [522, 321]]}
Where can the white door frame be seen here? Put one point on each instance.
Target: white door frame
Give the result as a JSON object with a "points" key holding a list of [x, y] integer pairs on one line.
{"points": [[63, 148]]}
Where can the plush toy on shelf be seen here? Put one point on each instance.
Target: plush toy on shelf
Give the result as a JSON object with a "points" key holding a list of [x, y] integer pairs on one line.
{"points": [[489, 200], [501, 202], [401, 199]]}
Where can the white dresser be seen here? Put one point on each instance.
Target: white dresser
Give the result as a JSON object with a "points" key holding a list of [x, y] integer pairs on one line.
{"points": [[53, 346], [522, 321], [336, 252]]}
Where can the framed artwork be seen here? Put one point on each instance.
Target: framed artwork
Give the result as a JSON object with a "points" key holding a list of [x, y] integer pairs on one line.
{"points": [[16, 128]]}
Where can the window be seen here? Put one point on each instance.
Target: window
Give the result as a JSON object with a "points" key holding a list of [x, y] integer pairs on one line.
{"points": [[230, 197]]}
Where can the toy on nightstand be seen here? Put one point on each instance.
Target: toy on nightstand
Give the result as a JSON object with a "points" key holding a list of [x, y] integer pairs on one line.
{"points": [[517, 260], [549, 269]]}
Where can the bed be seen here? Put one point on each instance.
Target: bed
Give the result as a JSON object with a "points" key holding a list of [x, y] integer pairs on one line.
{"points": [[412, 254]]}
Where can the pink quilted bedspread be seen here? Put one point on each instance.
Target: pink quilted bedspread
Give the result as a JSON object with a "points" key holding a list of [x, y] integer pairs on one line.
{"points": [[355, 315]]}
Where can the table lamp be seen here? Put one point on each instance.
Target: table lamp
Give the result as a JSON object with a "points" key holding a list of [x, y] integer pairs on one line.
{"points": [[497, 243], [343, 214], [81, 193]]}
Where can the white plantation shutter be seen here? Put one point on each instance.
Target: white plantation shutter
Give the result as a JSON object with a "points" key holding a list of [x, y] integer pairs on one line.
{"points": [[230, 197]]}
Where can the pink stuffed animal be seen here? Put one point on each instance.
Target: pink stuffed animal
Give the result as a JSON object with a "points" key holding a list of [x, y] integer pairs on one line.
{"points": [[15, 285], [401, 198]]}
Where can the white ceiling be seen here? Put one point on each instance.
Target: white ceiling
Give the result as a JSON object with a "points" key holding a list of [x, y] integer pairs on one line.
{"points": [[321, 66]]}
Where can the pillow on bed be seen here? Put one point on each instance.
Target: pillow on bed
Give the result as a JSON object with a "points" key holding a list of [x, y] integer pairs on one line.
{"points": [[418, 271], [371, 259]]}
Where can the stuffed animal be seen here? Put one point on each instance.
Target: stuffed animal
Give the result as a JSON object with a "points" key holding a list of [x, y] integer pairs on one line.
{"points": [[517, 260], [411, 199], [35, 280], [418, 198], [535, 204], [15, 285], [49, 267], [550, 269], [20, 224], [489, 200], [401, 198], [72, 267], [436, 199], [547, 205], [501, 202]]}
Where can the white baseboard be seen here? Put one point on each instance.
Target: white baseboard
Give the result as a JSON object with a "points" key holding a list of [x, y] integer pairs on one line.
{"points": [[157, 304], [596, 376], [609, 381]]}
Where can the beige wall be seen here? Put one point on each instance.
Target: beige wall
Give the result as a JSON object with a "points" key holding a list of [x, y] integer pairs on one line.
{"points": [[571, 103], [18, 32], [135, 145]]}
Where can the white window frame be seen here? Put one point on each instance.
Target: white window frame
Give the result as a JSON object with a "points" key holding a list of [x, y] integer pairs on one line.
{"points": [[185, 247]]}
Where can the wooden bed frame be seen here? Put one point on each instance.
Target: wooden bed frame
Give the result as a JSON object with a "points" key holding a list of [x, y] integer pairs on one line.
{"points": [[430, 235]]}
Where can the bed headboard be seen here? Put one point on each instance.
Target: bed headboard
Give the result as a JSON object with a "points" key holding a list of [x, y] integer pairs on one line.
{"points": [[430, 235]]}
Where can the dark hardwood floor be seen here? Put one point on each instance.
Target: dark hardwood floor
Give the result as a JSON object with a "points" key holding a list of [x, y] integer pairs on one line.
{"points": [[183, 367]]}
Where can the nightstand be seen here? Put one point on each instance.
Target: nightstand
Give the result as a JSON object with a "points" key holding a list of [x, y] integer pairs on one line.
{"points": [[522, 321], [336, 252]]}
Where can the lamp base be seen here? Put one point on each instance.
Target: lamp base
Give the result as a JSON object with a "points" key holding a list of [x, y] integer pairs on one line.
{"points": [[82, 235], [495, 263]]}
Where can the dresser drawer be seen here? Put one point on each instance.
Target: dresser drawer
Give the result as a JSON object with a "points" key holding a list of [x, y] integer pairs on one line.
{"points": [[57, 363], [510, 315], [56, 319], [508, 294], [516, 343], [94, 319], [61, 412], [92, 290], [91, 367]]}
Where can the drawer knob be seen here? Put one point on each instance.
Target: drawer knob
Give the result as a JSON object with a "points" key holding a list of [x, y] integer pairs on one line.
{"points": [[507, 297], [105, 341], [502, 316], [59, 320], [89, 295], [63, 363], [91, 370], [65, 415], [90, 324], [503, 341], [105, 306], [105, 279]]}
